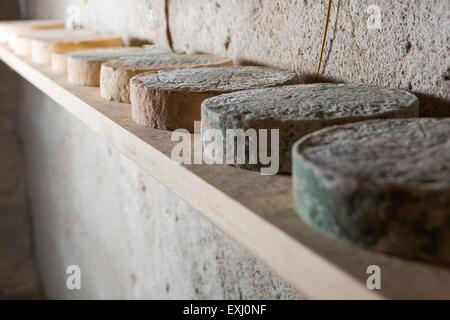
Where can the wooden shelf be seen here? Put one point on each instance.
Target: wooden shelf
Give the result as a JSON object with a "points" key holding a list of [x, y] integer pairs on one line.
{"points": [[254, 210]]}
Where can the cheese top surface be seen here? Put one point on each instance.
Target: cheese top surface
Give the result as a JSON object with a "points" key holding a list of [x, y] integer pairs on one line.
{"points": [[220, 79], [408, 152], [313, 102]]}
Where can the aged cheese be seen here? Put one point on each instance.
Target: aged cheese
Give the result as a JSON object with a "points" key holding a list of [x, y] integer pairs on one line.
{"points": [[116, 74], [83, 67], [43, 43], [384, 184], [172, 99], [86, 63], [298, 110], [10, 29]]}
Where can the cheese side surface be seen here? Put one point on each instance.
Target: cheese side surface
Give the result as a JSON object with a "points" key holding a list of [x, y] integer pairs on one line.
{"points": [[116, 74]]}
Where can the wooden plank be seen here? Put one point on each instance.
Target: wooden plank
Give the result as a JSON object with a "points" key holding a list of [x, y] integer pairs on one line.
{"points": [[254, 210]]}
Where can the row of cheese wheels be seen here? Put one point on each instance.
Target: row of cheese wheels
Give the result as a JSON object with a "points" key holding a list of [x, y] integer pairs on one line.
{"points": [[381, 183]]}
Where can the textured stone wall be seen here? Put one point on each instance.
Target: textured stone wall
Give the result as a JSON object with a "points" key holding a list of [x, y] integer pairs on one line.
{"points": [[410, 50], [131, 237], [18, 278]]}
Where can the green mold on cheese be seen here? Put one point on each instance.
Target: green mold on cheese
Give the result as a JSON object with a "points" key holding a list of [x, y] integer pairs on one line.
{"points": [[382, 184]]}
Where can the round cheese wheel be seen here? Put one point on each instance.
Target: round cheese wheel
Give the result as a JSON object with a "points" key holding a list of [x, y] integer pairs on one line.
{"points": [[22, 42], [298, 110], [21, 46], [10, 29], [83, 67], [384, 184], [85, 64]]}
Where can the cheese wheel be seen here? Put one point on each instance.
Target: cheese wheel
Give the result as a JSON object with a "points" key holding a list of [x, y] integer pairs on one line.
{"points": [[383, 184], [59, 62], [116, 74], [86, 63], [296, 111], [43, 43], [10, 29], [83, 67], [21, 46], [172, 99]]}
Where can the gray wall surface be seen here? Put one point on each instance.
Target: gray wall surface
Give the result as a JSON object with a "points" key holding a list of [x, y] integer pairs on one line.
{"points": [[18, 277], [409, 51]]}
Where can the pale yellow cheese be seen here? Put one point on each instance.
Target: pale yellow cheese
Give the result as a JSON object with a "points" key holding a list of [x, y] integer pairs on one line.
{"points": [[42, 43], [10, 29]]}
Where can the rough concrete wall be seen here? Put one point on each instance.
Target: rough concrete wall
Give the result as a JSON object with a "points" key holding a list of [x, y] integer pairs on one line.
{"points": [[132, 238], [18, 277], [410, 51]]}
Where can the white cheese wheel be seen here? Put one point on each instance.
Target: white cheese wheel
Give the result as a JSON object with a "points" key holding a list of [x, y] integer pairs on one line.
{"points": [[296, 111], [83, 67], [383, 184]]}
